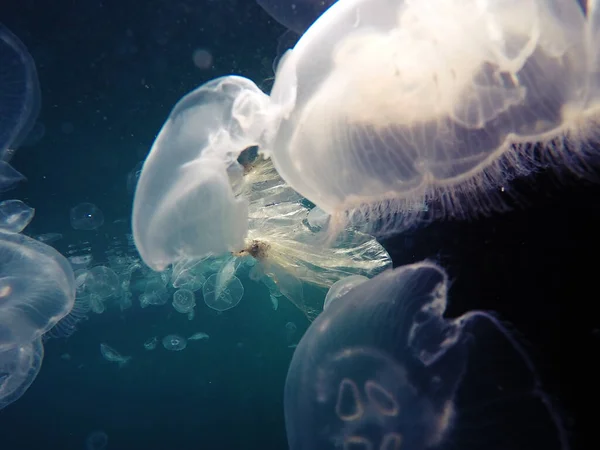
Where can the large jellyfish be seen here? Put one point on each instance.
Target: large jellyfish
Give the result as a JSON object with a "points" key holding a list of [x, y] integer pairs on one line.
{"points": [[382, 368], [383, 106], [37, 289], [19, 102]]}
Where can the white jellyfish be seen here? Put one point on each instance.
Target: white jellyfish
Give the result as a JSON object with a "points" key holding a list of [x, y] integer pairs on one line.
{"points": [[174, 342], [150, 344], [15, 215], [112, 355], [184, 302], [222, 293], [383, 114]]}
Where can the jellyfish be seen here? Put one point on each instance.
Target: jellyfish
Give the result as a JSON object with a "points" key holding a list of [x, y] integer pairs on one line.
{"points": [[112, 355], [222, 296], [382, 368], [174, 342], [151, 343], [198, 336], [184, 302], [19, 365], [102, 281], [37, 289], [15, 215], [96, 440], [381, 106], [19, 97], [86, 216]]}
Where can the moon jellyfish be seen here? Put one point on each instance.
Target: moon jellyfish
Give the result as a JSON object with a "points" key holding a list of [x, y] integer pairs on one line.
{"points": [[111, 355], [174, 342], [96, 440], [19, 365], [382, 368], [19, 94], [151, 343], [222, 296], [380, 106], [102, 281], [342, 287], [297, 15], [37, 289], [184, 302], [15, 215], [198, 336], [188, 274], [86, 216]]}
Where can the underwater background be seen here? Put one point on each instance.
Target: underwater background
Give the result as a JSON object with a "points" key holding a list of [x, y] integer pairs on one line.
{"points": [[110, 71]]}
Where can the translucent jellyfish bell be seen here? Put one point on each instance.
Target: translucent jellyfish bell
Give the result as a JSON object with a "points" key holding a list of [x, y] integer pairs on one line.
{"points": [[385, 104], [19, 94], [174, 342], [222, 296], [382, 368], [190, 164], [15, 215], [37, 289], [19, 365], [184, 302]]}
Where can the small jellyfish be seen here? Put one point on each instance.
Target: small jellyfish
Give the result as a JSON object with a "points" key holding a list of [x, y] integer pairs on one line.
{"points": [[96, 440], [342, 287], [110, 354], [274, 302], [81, 261], [102, 281], [15, 215], [290, 333], [383, 368], [86, 216], [222, 297], [198, 336], [174, 342], [151, 343], [184, 302]]}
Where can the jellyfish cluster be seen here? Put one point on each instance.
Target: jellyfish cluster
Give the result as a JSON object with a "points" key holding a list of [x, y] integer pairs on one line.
{"points": [[385, 114], [37, 285]]}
